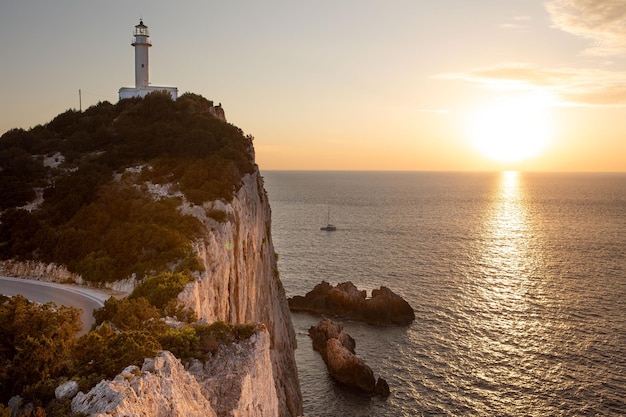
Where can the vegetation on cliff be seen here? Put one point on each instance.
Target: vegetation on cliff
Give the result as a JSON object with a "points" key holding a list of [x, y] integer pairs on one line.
{"points": [[39, 349], [90, 171], [78, 191]]}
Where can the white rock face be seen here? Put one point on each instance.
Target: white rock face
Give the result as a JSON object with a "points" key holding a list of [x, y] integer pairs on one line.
{"points": [[241, 284], [39, 271], [50, 272], [66, 390], [238, 381], [161, 389]]}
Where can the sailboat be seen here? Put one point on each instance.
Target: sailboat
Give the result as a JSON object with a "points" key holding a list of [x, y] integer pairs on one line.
{"points": [[329, 227]]}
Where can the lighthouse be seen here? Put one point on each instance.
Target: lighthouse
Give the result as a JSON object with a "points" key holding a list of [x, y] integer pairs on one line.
{"points": [[141, 42]]}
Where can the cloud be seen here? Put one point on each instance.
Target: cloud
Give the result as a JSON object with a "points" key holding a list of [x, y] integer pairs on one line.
{"points": [[435, 111], [568, 86], [518, 73], [601, 21], [518, 22], [615, 95], [512, 26]]}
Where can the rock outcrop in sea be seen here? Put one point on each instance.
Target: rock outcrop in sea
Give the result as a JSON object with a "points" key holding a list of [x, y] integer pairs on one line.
{"points": [[338, 351], [345, 300]]}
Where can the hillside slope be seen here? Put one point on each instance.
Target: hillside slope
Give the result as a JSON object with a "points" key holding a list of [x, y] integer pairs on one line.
{"points": [[155, 194]]}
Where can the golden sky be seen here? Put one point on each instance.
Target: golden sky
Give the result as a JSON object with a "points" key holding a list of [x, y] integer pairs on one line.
{"points": [[352, 84]]}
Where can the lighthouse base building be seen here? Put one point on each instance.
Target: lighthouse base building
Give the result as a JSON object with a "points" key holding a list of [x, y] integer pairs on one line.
{"points": [[129, 92], [141, 42]]}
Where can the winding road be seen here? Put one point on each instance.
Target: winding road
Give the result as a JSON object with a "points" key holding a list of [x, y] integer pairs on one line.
{"points": [[86, 299]]}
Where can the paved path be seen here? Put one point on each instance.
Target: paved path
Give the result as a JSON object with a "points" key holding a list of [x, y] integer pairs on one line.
{"points": [[87, 299]]}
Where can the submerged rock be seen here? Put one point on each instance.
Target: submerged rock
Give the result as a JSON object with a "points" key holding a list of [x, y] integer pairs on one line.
{"points": [[345, 300], [338, 351]]}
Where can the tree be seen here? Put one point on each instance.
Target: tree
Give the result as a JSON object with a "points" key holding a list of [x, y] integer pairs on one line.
{"points": [[128, 314], [34, 342], [105, 352], [161, 289]]}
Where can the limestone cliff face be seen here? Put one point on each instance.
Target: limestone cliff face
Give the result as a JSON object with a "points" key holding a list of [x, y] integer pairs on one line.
{"points": [[241, 284], [244, 370], [161, 388], [237, 381]]}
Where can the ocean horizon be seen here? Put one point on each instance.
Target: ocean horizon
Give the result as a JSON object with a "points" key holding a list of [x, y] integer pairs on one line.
{"points": [[517, 279]]}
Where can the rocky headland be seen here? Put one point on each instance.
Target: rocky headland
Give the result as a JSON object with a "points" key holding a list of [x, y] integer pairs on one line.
{"points": [[239, 285], [345, 300], [146, 189]]}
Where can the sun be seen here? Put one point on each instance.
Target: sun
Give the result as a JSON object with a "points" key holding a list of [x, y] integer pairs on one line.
{"points": [[511, 130]]}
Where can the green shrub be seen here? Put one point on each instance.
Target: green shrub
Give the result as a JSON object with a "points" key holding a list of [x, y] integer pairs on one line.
{"points": [[106, 353], [61, 408], [182, 342], [161, 289], [34, 341], [190, 264], [202, 340], [106, 229], [19, 231], [129, 314], [218, 215], [121, 233], [19, 173]]}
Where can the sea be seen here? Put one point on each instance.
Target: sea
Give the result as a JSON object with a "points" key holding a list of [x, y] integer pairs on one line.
{"points": [[518, 282]]}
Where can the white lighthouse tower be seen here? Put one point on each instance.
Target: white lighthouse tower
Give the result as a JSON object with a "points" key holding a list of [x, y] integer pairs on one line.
{"points": [[141, 42]]}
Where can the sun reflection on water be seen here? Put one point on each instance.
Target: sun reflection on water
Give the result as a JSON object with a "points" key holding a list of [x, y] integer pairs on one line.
{"points": [[507, 318], [506, 257], [507, 231]]}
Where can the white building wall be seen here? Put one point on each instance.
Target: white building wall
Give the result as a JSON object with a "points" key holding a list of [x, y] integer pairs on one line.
{"points": [[142, 69], [127, 92]]}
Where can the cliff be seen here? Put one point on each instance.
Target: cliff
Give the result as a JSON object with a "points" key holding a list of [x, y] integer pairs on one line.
{"points": [[149, 186], [160, 388], [240, 283], [225, 385]]}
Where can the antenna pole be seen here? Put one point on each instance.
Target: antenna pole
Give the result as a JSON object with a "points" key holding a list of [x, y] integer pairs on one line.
{"points": [[80, 101]]}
